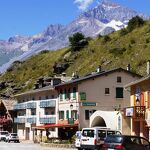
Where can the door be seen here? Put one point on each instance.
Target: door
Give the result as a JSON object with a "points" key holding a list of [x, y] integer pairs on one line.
{"points": [[87, 137], [27, 133]]}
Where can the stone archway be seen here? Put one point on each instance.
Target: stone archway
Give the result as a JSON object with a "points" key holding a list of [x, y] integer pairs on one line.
{"points": [[98, 121], [107, 119]]}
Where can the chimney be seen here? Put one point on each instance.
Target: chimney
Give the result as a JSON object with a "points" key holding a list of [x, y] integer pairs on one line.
{"points": [[148, 67], [128, 67], [99, 69]]}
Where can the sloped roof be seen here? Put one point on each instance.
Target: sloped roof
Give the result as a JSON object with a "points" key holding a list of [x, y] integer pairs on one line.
{"points": [[8, 103], [46, 88], [137, 81], [98, 74]]}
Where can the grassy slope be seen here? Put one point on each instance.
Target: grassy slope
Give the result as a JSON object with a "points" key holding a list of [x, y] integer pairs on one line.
{"points": [[136, 43], [98, 53]]}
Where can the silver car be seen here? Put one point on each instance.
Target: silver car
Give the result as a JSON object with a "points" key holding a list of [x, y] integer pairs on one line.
{"points": [[3, 135], [12, 137]]}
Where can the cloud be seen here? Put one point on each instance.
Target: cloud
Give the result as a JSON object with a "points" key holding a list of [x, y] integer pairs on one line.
{"points": [[83, 4]]}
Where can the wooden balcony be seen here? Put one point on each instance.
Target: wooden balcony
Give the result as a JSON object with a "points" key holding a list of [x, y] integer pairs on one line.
{"points": [[4, 120], [139, 112]]}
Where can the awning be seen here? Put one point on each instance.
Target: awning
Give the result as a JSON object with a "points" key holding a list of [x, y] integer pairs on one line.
{"points": [[56, 126]]}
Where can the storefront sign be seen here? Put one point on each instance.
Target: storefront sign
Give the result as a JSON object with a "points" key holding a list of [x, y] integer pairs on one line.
{"points": [[88, 104], [129, 112]]}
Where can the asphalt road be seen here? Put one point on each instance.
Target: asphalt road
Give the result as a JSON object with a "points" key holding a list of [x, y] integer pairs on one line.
{"points": [[27, 146]]}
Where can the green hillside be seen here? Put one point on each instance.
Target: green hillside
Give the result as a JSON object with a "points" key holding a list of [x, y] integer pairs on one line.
{"points": [[115, 50]]}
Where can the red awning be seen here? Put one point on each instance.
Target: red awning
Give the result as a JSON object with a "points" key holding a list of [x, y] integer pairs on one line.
{"points": [[56, 126]]}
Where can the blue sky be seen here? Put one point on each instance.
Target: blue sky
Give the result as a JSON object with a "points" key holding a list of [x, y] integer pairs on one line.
{"points": [[29, 17]]}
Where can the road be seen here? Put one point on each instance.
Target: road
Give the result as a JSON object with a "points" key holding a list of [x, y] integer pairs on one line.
{"points": [[27, 146]]}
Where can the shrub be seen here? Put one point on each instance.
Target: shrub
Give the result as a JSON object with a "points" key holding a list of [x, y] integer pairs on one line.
{"points": [[134, 23], [132, 41], [123, 32], [44, 51], [106, 38], [147, 40], [117, 51], [99, 36], [77, 41]]}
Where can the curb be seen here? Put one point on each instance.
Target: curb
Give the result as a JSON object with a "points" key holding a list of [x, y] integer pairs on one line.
{"points": [[58, 145]]}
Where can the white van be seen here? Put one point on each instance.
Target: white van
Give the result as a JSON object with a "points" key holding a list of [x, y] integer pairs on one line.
{"points": [[93, 138]]}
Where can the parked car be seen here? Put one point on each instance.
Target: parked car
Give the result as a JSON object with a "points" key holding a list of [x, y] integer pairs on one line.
{"points": [[93, 138], [125, 142], [3, 135], [12, 137]]}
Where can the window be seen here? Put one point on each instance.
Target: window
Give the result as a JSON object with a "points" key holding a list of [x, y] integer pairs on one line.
{"points": [[67, 114], [82, 96], [68, 94], [119, 92], [119, 79], [102, 134], [88, 113], [74, 114], [33, 111], [46, 113], [88, 133], [107, 91], [74, 92], [46, 97], [61, 95], [61, 114], [65, 93]]}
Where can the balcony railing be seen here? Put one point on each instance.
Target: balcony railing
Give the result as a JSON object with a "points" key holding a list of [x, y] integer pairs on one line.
{"points": [[20, 106], [31, 105], [139, 112], [31, 120], [45, 120], [19, 120], [70, 120], [47, 103]]}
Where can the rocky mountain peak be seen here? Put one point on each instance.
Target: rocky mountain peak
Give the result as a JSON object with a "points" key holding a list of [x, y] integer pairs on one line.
{"points": [[52, 30], [18, 39]]}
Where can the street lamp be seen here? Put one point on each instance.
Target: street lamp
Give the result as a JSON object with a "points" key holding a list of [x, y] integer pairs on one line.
{"points": [[71, 106]]}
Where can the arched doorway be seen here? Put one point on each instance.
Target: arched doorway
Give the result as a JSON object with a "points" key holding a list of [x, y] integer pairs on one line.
{"points": [[109, 119], [98, 121]]}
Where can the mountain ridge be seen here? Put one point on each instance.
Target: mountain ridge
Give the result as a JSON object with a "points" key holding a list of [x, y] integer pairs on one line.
{"points": [[119, 51], [103, 19]]}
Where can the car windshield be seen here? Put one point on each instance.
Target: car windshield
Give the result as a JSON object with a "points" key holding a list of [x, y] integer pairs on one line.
{"points": [[114, 139], [14, 134], [4, 133], [88, 133]]}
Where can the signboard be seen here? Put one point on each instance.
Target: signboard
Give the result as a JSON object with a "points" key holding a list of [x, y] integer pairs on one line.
{"points": [[129, 112], [88, 104]]}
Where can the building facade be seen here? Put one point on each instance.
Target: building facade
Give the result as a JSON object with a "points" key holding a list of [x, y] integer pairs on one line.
{"points": [[36, 108], [103, 90], [139, 110]]}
